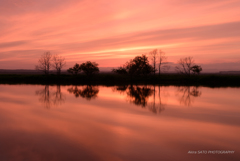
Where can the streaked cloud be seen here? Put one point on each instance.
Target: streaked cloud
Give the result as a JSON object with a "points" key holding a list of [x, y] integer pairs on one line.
{"points": [[107, 31]]}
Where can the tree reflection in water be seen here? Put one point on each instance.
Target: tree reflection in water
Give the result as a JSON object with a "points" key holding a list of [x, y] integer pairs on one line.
{"points": [[140, 96], [121, 89], [58, 97], [157, 107], [89, 92], [187, 95], [50, 98]]}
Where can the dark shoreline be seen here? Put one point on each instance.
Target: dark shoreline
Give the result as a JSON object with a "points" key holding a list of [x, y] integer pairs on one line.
{"points": [[108, 79]]}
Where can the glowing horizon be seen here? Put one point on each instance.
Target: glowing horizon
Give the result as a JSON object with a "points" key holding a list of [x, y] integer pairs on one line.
{"points": [[111, 33]]}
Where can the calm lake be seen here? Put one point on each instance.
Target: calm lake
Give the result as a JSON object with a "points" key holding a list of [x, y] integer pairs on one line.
{"points": [[118, 123]]}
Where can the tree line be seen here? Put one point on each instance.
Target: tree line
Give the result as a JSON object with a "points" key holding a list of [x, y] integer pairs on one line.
{"points": [[140, 65], [48, 61]]}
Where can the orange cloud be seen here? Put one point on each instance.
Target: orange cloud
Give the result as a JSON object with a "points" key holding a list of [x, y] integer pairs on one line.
{"points": [[106, 31]]}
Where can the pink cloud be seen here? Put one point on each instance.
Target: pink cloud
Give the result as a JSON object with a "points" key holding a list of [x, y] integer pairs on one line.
{"points": [[105, 31]]}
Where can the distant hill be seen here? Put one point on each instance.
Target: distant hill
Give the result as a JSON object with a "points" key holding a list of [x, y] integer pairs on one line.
{"points": [[27, 71], [230, 72], [19, 71]]}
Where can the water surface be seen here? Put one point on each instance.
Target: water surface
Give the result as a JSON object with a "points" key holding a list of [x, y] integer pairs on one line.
{"points": [[135, 123]]}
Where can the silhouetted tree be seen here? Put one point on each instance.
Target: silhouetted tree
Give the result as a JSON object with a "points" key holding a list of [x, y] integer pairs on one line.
{"points": [[44, 63], [137, 66], [154, 55], [196, 69], [89, 68], [58, 63], [162, 59], [185, 65], [120, 70], [75, 69]]}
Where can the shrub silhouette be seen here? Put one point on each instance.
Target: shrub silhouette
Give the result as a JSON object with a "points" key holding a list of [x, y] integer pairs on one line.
{"points": [[196, 69], [75, 69], [89, 68], [137, 66]]}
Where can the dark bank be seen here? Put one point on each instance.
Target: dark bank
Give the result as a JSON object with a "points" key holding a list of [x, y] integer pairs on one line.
{"points": [[209, 80]]}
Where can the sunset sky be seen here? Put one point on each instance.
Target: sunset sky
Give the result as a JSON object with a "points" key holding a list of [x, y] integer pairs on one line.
{"points": [[110, 32]]}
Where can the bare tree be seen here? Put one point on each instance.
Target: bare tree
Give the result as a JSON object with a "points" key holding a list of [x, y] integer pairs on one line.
{"points": [[44, 63], [162, 59], [154, 55], [58, 63], [185, 65], [158, 56]]}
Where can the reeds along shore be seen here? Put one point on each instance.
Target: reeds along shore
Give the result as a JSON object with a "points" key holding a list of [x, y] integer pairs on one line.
{"points": [[109, 79]]}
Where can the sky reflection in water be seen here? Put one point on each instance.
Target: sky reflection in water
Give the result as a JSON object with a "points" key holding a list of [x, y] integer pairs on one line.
{"points": [[117, 123]]}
